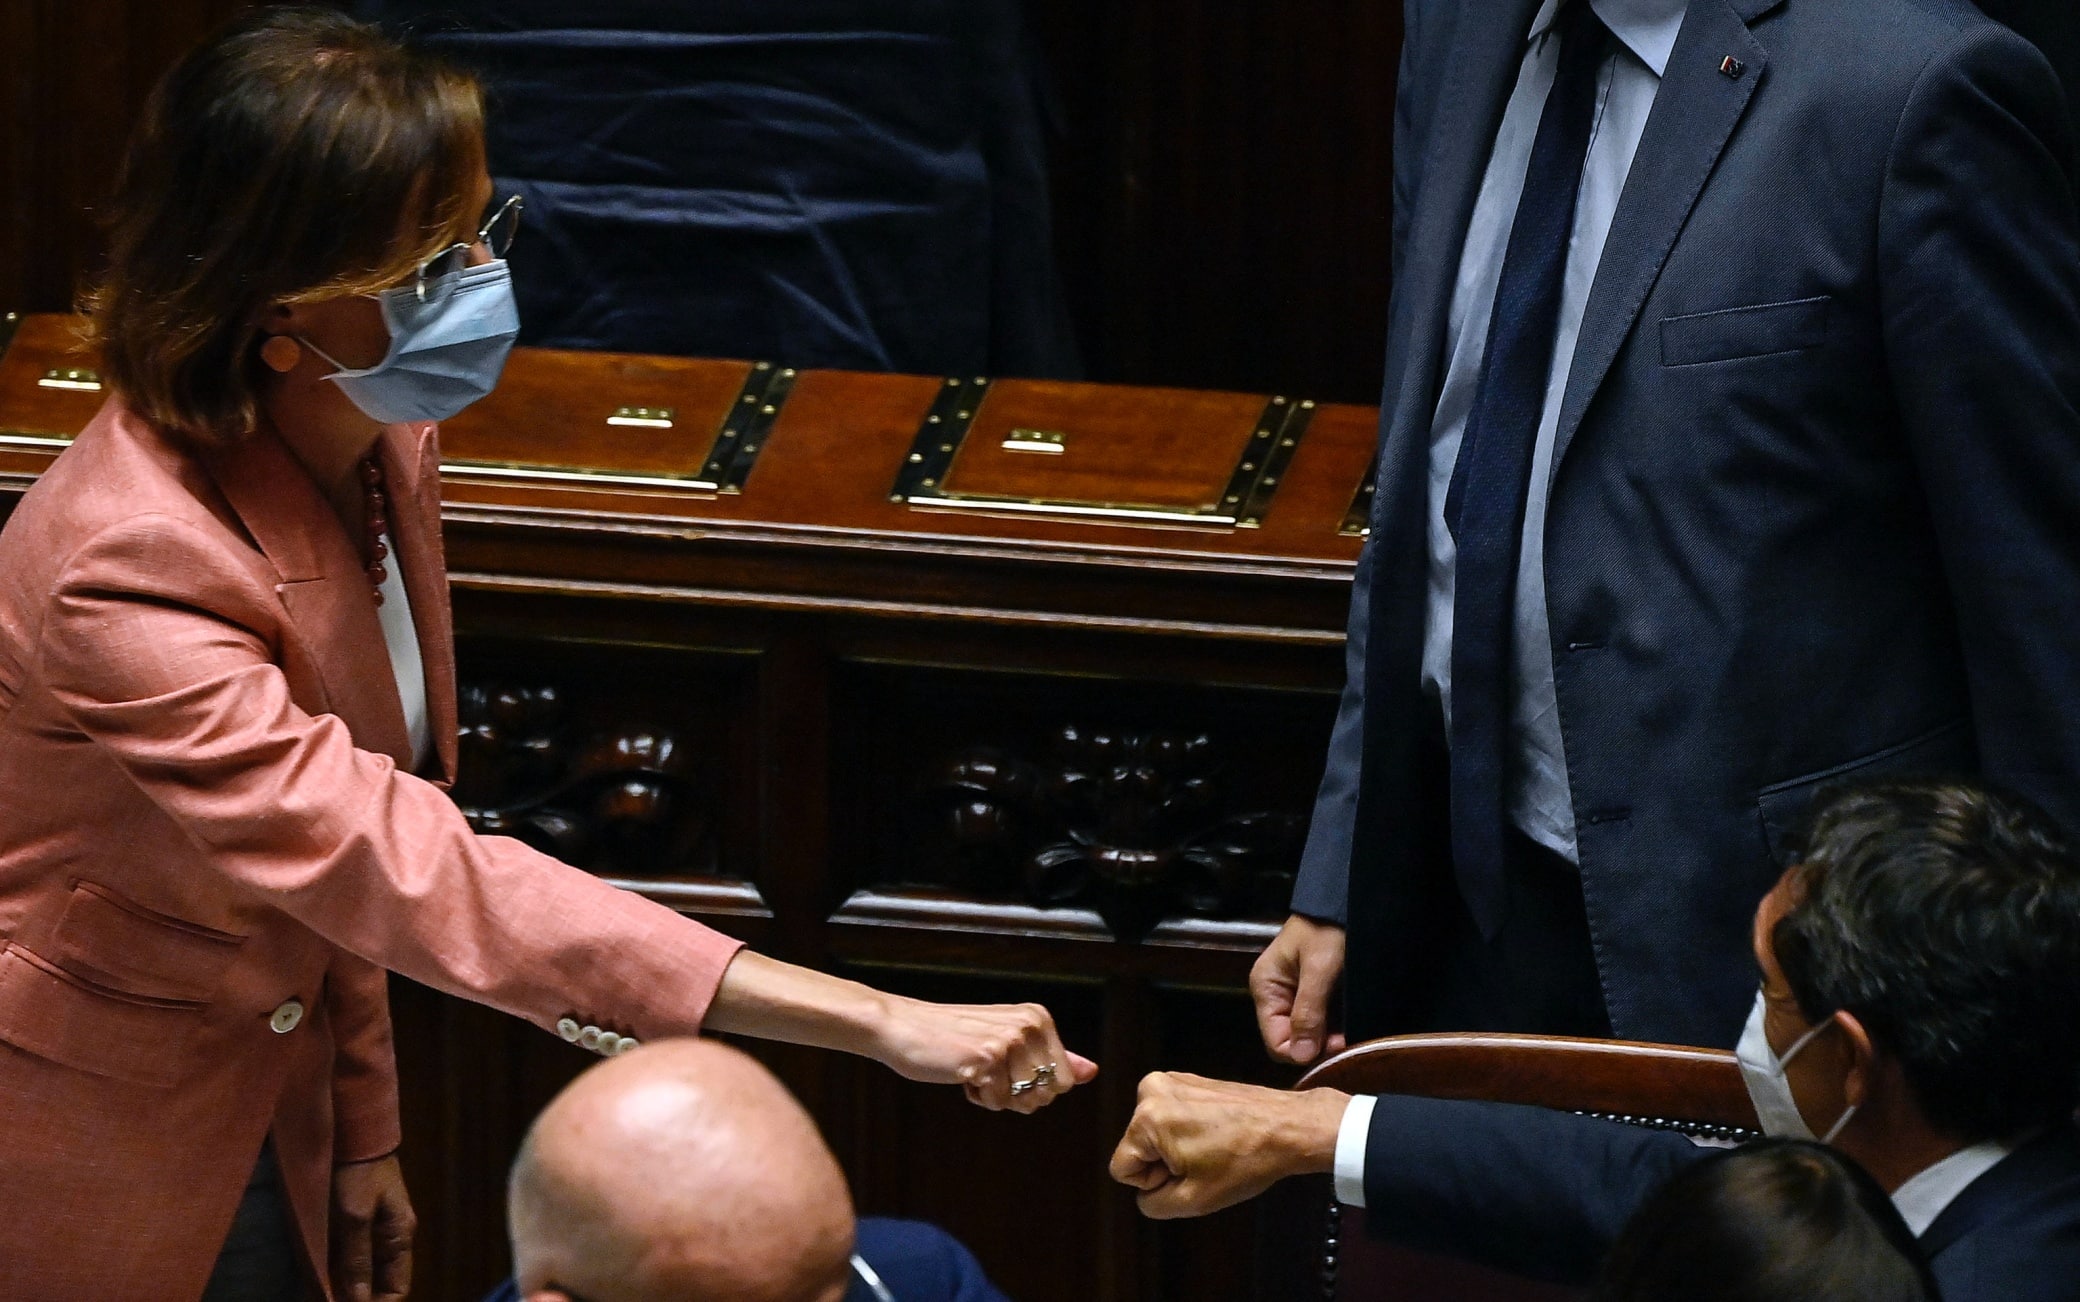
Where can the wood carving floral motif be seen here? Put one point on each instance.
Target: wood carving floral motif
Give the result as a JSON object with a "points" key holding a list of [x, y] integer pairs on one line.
{"points": [[1132, 824], [618, 800]]}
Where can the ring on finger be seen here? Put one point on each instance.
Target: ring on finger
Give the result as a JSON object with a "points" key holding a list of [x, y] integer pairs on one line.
{"points": [[1042, 1075]]}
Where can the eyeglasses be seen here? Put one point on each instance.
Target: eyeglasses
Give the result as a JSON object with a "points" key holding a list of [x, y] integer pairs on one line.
{"points": [[496, 234]]}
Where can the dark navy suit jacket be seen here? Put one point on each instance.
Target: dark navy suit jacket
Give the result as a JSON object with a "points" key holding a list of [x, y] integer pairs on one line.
{"points": [[916, 1261], [1817, 481], [1545, 1193]]}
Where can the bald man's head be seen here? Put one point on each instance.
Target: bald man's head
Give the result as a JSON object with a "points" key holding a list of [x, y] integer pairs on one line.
{"points": [[683, 1169]]}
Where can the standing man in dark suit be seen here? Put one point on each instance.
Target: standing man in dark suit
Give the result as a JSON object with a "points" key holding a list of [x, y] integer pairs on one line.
{"points": [[1730, 443]]}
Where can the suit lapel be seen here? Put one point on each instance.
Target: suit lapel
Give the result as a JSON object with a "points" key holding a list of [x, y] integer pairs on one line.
{"points": [[2050, 1161], [324, 587], [1484, 56], [411, 461], [1695, 112]]}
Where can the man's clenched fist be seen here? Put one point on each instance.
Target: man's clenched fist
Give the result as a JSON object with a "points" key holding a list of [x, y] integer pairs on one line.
{"points": [[1197, 1145]]}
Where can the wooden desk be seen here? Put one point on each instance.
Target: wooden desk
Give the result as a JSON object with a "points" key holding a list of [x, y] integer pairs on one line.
{"points": [[1032, 730]]}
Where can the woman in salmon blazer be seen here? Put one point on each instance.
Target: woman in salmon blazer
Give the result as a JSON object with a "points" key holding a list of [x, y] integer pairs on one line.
{"points": [[227, 714]]}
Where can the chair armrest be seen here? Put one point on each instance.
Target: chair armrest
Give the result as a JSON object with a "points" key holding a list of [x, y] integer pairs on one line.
{"points": [[1653, 1084]]}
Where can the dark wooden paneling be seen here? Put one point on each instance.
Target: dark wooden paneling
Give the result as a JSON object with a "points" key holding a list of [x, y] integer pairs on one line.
{"points": [[74, 76], [1224, 189]]}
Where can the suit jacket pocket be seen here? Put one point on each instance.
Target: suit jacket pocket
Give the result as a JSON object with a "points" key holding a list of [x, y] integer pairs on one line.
{"points": [[56, 1016], [1946, 749], [110, 941], [1744, 332]]}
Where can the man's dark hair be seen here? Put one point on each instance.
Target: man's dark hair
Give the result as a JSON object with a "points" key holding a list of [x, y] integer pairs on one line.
{"points": [[1780, 1220], [1947, 919]]}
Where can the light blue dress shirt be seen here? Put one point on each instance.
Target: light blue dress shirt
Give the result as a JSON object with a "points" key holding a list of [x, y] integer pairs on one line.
{"points": [[1537, 793]]}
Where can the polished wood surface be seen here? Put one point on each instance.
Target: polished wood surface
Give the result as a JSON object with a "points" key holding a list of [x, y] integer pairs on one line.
{"points": [[1617, 1077], [954, 753], [580, 394], [34, 351]]}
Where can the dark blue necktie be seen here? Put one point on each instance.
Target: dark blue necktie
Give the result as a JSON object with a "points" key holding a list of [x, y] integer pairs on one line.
{"points": [[1484, 507]]}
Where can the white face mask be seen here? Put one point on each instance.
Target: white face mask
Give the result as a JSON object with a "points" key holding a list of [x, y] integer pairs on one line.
{"points": [[1762, 1071]]}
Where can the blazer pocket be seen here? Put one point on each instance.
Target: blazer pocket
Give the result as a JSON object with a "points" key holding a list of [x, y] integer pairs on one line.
{"points": [[1739, 332], [1947, 748], [58, 1017], [110, 941]]}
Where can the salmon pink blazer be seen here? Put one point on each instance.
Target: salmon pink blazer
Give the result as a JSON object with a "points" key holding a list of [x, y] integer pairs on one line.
{"points": [[211, 850]]}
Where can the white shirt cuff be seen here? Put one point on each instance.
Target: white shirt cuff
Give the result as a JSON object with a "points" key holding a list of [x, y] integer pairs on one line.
{"points": [[1350, 1150]]}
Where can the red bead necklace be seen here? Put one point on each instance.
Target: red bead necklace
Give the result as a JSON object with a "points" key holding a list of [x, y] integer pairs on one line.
{"points": [[378, 518]]}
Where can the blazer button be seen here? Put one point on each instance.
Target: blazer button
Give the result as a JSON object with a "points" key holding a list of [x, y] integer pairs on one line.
{"points": [[589, 1038], [568, 1028], [609, 1044], [628, 1044], [287, 1018]]}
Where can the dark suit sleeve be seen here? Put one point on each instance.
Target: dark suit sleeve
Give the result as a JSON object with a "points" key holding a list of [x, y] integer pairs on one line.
{"points": [[922, 1263], [1980, 290], [1322, 890], [1528, 1190], [1404, 134]]}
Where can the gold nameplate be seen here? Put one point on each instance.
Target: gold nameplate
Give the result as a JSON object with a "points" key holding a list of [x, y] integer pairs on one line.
{"points": [[76, 378], [642, 417], [1046, 441]]}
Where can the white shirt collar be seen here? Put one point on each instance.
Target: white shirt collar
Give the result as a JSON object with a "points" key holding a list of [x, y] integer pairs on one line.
{"points": [[1923, 1198], [1647, 27]]}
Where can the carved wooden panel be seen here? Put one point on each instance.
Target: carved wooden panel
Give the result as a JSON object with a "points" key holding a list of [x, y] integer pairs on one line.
{"points": [[1136, 825], [568, 749], [1139, 801]]}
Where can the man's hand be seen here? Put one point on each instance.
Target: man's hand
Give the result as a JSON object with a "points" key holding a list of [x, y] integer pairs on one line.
{"points": [[1291, 983], [1197, 1145], [372, 1226]]}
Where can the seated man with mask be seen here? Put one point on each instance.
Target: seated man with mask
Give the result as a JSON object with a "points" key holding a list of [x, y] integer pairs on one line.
{"points": [[1920, 1010], [685, 1170]]}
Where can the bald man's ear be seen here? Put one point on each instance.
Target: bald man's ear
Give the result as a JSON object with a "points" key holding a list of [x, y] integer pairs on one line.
{"points": [[1863, 1060]]}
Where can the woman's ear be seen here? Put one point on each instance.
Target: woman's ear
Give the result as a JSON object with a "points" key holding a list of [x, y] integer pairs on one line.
{"points": [[1863, 1059]]}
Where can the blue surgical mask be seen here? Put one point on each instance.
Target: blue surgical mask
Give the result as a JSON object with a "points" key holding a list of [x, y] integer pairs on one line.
{"points": [[1762, 1071], [446, 351]]}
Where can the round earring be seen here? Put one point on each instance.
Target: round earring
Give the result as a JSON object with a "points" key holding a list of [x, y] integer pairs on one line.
{"points": [[281, 353]]}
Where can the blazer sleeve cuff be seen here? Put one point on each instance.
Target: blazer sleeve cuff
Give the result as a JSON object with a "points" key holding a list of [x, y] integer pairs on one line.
{"points": [[366, 1128]]}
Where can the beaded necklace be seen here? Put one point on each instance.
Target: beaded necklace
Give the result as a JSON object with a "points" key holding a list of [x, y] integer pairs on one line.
{"points": [[378, 521]]}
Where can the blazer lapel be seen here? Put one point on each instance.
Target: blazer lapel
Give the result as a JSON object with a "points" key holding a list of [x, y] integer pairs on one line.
{"points": [[411, 462], [1485, 54], [1695, 112], [324, 587]]}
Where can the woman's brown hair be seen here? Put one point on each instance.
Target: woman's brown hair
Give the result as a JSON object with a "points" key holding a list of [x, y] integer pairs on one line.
{"points": [[299, 155]]}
